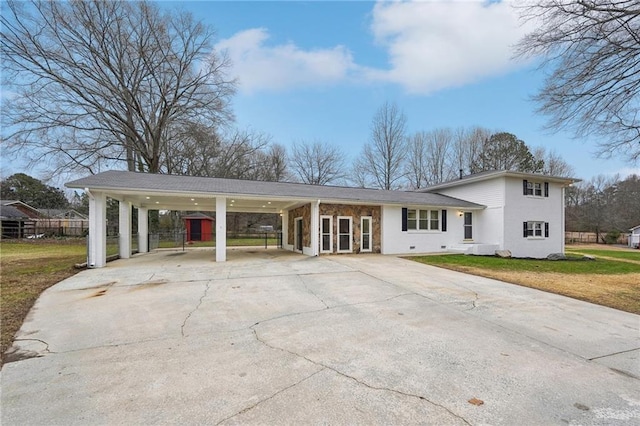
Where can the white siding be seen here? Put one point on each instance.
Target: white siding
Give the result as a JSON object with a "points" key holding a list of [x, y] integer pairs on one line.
{"points": [[395, 241], [488, 224], [520, 208], [487, 192]]}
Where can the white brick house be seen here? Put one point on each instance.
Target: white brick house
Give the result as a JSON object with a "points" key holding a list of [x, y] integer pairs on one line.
{"points": [[478, 214]]}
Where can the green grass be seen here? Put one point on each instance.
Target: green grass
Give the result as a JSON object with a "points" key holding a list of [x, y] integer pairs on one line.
{"points": [[618, 254], [29, 268], [600, 266]]}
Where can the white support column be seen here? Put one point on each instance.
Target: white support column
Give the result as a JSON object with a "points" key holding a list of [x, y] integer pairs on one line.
{"points": [[315, 228], [221, 229], [124, 219], [97, 256], [285, 230], [143, 230], [562, 221]]}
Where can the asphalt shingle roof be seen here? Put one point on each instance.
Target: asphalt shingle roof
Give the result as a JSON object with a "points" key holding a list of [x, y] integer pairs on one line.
{"points": [[122, 180], [9, 212]]}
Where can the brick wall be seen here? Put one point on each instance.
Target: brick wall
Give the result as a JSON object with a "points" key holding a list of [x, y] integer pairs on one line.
{"points": [[356, 212], [305, 213]]}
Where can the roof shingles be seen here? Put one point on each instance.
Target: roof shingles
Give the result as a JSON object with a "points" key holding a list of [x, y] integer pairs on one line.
{"points": [[122, 180]]}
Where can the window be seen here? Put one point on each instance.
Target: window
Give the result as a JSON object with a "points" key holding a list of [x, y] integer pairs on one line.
{"points": [[424, 220], [534, 229], [434, 222], [535, 189], [411, 219]]}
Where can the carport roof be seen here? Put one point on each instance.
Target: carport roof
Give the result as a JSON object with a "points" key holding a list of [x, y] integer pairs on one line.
{"points": [[118, 181]]}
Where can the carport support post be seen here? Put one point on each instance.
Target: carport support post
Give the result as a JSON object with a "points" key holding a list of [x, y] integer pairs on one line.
{"points": [[97, 254], [143, 230], [124, 219], [315, 228], [221, 229]]}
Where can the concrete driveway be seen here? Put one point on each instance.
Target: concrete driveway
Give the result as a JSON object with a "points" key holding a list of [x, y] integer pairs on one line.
{"points": [[272, 337]]}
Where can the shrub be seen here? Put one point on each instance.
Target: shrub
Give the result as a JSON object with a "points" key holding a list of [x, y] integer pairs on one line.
{"points": [[612, 237]]}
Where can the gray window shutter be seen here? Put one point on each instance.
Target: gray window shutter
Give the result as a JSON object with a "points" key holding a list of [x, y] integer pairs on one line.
{"points": [[404, 219], [444, 221], [546, 229], [546, 189], [524, 187], [524, 229]]}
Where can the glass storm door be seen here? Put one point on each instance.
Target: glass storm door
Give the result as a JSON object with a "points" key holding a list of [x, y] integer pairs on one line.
{"points": [[344, 234], [468, 233], [326, 234], [298, 234], [365, 233]]}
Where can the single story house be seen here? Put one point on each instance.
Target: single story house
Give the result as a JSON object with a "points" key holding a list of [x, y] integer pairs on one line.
{"points": [[62, 214], [25, 208], [634, 237], [13, 222], [477, 214]]}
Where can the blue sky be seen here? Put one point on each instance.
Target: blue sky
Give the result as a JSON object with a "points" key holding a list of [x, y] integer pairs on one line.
{"points": [[319, 71]]}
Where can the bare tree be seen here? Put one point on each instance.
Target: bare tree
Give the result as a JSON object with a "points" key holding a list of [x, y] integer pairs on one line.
{"points": [[554, 164], [317, 163], [428, 157], [104, 82], [383, 157], [593, 50], [416, 165], [466, 149]]}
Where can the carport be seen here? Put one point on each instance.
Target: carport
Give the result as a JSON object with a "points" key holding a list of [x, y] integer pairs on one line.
{"points": [[344, 219], [148, 192]]}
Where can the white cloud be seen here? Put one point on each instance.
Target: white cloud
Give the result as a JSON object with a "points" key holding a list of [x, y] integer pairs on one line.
{"points": [[431, 45], [259, 66], [435, 45]]}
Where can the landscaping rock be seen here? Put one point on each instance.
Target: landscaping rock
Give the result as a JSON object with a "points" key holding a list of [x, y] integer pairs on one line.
{"points": [[557, 256], [503, 253], [588, 257]]}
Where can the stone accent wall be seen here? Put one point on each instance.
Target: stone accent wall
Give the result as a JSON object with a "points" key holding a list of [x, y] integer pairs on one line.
{"points": [[305, 213], [356, 213]]}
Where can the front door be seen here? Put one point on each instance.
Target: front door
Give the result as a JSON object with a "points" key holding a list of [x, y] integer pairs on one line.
{"points": [[298, 234], [344, 234], [468, 221], [326, 234]]}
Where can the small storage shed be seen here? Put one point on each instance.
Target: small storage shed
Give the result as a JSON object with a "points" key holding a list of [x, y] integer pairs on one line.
{"points": [[199, 227]]}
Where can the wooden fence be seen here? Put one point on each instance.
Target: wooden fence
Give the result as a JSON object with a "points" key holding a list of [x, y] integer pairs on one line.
{"points": [[590, 237]]}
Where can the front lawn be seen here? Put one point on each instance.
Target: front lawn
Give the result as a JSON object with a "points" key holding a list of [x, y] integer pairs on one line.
{"points": [[633, 255], [29, 268], [572, 266], [605, 282]]}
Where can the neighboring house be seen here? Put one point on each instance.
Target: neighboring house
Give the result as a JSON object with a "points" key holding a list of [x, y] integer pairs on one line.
{"points": [[634, 237], [524, 212], [14, 223], [25, 208], [62, 214], [478, 214]]}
